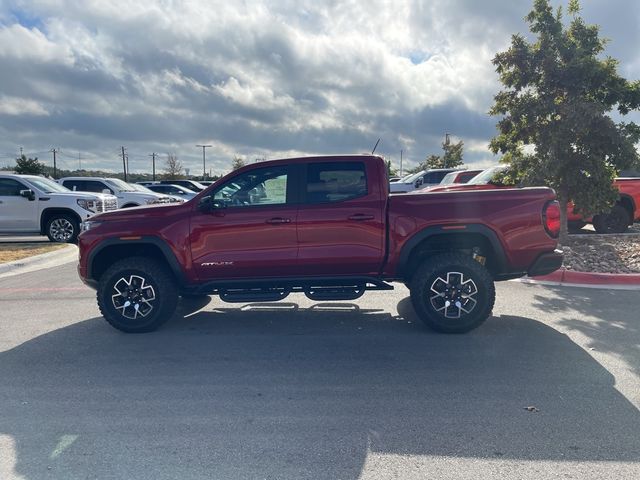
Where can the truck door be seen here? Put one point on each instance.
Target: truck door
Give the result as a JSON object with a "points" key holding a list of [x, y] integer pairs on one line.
{"points": [[253, 234], [341, 222], [17, 213]]}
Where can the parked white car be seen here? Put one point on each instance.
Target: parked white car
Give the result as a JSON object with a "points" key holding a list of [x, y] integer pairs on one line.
{"points": [[32, 204], [421, 179], [127, 196], [173, 190]]}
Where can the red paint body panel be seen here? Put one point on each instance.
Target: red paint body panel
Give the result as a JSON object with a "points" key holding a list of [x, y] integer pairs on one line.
{"points": [[340, 238], [629, 187]]}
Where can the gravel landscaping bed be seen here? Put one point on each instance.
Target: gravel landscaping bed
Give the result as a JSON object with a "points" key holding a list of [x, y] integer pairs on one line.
{"points": [[590, 252]]}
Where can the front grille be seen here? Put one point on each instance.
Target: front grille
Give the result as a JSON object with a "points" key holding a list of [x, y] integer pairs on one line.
{"points": [[107, 205]]}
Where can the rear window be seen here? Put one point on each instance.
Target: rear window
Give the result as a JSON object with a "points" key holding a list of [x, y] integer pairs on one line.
{"points": [[335, 182]]}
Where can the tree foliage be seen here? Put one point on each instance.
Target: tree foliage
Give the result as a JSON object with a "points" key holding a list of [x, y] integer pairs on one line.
{"points": [[173, 168], [29, 166], [237, 162], [559, 91], [451, 157]]}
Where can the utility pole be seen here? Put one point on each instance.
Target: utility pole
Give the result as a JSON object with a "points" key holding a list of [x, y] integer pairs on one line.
{"points": [[400, 163], [124, 164], [79, 162], [204, 165], [20, 152], [55, 170], [153, 157]]}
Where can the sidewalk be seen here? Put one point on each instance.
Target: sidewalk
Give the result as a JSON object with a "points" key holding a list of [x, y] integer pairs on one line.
{"points": [[570, 278], [39, 262]]}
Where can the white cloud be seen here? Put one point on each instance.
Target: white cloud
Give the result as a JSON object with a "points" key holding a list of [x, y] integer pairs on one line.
{"points": [[257, 78]]}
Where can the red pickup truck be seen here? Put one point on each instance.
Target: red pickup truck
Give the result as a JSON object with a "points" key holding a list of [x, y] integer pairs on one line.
{"points": [[323, 226], [624, 213]]}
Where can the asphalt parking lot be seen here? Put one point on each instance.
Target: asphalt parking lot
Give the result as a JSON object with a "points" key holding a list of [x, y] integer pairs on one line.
{"points": [[307, 390]]}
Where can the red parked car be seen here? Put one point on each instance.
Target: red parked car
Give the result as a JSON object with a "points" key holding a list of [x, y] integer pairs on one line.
{"points": [[325, 227]]}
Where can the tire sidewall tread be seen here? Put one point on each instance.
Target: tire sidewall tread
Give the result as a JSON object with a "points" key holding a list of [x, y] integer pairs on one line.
{"points": [[425, 275], [163, 282]]}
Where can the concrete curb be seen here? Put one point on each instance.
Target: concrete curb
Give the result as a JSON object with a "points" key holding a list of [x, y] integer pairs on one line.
{"points": [[39, 262], [620, 281]]}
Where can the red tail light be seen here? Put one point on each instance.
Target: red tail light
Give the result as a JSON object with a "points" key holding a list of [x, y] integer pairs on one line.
{"points": [[551, 218]]}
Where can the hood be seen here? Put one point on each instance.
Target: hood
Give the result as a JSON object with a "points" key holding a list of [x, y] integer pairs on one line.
{"points": [[83, 195], [132, 213]]}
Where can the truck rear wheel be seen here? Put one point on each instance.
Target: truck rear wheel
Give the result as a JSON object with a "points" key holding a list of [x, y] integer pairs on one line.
{"points": [[137, 295], [616, 221], [452, 293]]}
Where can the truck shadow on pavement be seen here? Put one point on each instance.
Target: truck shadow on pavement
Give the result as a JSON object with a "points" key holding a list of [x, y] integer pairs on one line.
{"points": [[302, 393], [609, 318]]}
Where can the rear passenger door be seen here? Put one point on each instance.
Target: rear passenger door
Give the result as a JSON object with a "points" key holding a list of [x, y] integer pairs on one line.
{"points": [[341, 220]]}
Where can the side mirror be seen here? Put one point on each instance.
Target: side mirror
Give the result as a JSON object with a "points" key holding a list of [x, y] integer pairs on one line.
{"points": [[210, 204], [29, 194], [419, 182], [106, 190]]}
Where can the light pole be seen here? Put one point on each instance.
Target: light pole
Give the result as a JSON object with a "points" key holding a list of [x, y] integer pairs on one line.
{"points": [[204, 163]]}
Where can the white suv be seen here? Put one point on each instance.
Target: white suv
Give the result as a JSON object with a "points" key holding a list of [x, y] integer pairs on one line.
{"points": [[126, 194], [32, 204]]}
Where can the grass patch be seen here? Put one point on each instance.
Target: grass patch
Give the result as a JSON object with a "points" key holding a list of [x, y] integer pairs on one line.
{"points": [[17, 251]]}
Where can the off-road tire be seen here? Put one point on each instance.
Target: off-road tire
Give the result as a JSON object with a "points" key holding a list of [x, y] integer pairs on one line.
{"points": [[616, 221], [438, 279], [153, 289], [62, 228]]}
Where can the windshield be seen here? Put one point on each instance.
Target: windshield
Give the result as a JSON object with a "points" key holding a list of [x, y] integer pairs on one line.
{"points": [[412, 177], [46, 185], [449, 178], [119, 185], [486, 176]]}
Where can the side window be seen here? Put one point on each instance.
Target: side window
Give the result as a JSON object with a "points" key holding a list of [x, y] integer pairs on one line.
{"points": [[95, 186], [434, 177], [335, 182], [10, 187], [263, 186], [75, 185]]}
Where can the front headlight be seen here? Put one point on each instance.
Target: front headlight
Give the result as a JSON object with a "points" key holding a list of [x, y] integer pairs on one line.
{"points": [[89, 224], [87, 204]]}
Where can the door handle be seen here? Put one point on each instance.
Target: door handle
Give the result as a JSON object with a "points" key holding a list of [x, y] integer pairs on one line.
{"points": [[360, 217], [278, 220]]}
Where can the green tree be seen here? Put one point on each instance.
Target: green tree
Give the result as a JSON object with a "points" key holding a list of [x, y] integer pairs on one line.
{"points": [[558, 94], [237, 162], [29, 166], [391, 170], [451, 158], [452, 153]]}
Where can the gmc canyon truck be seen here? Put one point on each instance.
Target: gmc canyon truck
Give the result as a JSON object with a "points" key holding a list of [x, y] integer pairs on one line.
{"points": [[325, 227]]}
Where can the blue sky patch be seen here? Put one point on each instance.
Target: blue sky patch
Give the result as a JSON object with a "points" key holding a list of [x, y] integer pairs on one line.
{"points": [[26, 19]]}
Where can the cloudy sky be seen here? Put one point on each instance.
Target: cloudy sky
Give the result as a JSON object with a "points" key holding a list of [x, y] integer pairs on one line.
{"points": [[261, 79]]}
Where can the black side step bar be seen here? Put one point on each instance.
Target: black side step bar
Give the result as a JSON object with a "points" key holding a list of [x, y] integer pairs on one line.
{"points": [[273, 289]]}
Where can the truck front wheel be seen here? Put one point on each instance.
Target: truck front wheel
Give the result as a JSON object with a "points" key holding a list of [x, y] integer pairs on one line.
{"points": [[452, 293], [62, 228], [137, 295]]}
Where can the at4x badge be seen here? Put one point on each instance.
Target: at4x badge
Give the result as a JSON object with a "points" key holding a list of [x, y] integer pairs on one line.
{"points": [[216, 264]]}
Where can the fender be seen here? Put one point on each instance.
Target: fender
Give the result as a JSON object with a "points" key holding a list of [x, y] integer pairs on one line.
{"points": [[426, 233], [165, 249], [63, 210]]}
